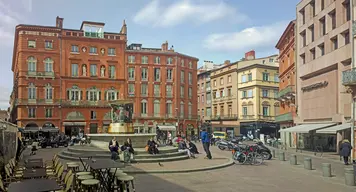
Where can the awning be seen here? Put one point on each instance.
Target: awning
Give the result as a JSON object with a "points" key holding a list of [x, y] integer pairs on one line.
{"points": [[167, 127], [334, 129], [49, 129], [20, 130], [74, 123], [306, 128], [31, 129]]}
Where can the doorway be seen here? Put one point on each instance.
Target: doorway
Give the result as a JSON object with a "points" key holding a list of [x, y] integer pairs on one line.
{"points": [[93, 128], [73, 130]]}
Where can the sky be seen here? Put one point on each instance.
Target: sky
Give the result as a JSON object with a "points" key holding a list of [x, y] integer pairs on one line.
{"points": [[215, 30]]}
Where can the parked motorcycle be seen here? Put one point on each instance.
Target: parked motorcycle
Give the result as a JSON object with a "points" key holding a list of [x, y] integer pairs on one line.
{"points": [[264, 151], [223, 145]]}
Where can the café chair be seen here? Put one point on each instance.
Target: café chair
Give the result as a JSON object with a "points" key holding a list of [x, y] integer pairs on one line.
{"points": [[125, 181], [67, 185], [90, 185]]}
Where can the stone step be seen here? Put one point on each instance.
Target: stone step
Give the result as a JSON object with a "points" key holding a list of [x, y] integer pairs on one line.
{"points": [[138, 151], [139, 156], [148, 160]]}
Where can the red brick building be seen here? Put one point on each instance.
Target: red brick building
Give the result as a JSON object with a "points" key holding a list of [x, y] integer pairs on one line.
{"points": [[65, 78]]}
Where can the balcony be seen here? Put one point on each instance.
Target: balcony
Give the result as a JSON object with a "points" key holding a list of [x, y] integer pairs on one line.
{"points": [[284, 117], [69, 103], [266, 117], [93, 34], [49, 74], [287, 91], [37, 102], [224, 117], [349, 77], [248, 117]]}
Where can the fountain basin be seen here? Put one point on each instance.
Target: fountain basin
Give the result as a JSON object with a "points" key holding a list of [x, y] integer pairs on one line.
{"points": [[102, 140]]}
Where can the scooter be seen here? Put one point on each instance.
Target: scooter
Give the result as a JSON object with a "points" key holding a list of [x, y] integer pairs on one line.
{"points": [[222, 145], [264, 151]]}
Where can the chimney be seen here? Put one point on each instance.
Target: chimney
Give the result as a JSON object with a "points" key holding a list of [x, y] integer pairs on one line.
{"points": [[165, 46], [227, 62], [250, 55], [59, 22]]}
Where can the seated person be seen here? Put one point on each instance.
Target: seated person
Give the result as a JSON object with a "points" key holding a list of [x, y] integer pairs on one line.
{"points": [[114, 149], [182, 147], [192, 147], [152, 147], [128, 150]]}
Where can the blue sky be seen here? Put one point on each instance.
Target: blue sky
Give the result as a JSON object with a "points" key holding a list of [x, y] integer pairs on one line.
{"points": [[214, 30]]}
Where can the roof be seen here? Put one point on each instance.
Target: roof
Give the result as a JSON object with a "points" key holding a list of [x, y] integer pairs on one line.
{"points": [[289, 27], [91, 23]]}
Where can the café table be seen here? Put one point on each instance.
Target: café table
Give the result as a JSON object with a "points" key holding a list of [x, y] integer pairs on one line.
{"points": [[35, 164], [34, 185], [102, 168], [35, 160], [34, 173]]}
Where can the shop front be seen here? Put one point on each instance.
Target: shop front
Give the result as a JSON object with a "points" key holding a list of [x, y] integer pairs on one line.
{"points": [[254, 129]]}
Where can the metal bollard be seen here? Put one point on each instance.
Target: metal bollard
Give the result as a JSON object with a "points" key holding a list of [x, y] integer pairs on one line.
{"points": [[326, 167], [308, 163], [282, 156], [274, 153], [349, 177], [293, 159]]}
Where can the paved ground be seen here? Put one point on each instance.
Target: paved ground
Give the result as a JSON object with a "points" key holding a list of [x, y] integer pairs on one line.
{"points": [[272, 176]]}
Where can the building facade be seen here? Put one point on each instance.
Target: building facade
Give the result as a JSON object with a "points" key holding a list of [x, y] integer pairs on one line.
{"points": [[257, 85], [287, 76], [66, 78]]}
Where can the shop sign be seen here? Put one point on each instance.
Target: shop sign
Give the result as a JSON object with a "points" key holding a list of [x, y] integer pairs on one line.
{"points": [[314, 86]]}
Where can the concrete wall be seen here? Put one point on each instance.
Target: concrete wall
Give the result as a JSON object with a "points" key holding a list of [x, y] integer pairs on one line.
{"points": [[8, 141]]}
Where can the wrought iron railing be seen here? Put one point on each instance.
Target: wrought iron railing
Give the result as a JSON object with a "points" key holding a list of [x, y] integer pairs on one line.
{"points": [[286, 90]]}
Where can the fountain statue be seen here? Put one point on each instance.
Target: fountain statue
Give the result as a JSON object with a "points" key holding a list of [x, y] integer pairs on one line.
{"points": [[121, 127]]}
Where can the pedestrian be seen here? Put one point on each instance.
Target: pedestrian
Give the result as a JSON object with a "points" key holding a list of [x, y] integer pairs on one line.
{"points": [[206, 143], [345, 150]]}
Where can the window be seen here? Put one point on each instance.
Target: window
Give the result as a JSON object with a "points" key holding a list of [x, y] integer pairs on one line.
{"points": [[169, 90], [190, 110], [131, 73], [190, 65], [157, 73], [214, 83], [346, 36], [222, 81], [48, 45], [302, 13], [169, 74], [75, 70], [276, 109], [264, 93], [31, 63], [311, 29], [208, 112], [181, 91], [31, 112], [156, 108], [312, 53], [229, 79], [93, 70], [334, 42], [182, 76], [111, 71], [302, 58], [157, 60], [144, 90], [249, 77], [93, 94], [322, 26], [49, 113], [75, 49], [321, 49], [190, 92], [347, 9], [31, 44], [48, 65], [92, 114], [304, 38], [31, 91], [276, 78], [244, 111], [131, 90], [312, 5], [250, 93], [322, 4], [143, 107], [265, 76], [198, 99], [229, 92], [49, 92], [111, 95], [244, 94], [131, 59], [202, 99], [74, 94], [275, 93], [169, 108], [181, 109], [190, 78], [271, 60], [265, 111], [332, 16], [182, 63], [144, 74], [144, 60], [157, 90], [111, 51], [169, 61], [93, 50], [243, 79]]}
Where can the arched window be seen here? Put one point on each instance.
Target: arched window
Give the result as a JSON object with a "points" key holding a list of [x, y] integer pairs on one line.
{"points": [[169, 61], [144, 107], [169, 108], [93, 94], [181, 109], [31, 63], [74, 93], [157, 60], [48, 91], [48, 65], [156, 108], [111, 94], [265, 109], [276, 108], [190, 110], [31, 91]]}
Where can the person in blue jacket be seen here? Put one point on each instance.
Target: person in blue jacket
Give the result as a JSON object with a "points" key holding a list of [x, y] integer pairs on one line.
{"points": [[206, 143]]}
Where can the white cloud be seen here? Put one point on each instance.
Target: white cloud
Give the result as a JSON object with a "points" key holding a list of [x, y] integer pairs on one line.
{"points": [[248, 38], [158, 15]]}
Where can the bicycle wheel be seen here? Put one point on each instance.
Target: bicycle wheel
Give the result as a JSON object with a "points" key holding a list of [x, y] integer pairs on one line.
{"points": [[239, 158], [258, 159], [249, 158]]}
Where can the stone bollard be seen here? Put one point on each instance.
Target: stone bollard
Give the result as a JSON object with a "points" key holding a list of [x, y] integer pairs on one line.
{"points": [[349, 177], [326, 167], [282, 156], [308, 163], [274, 153], [293, 159]]}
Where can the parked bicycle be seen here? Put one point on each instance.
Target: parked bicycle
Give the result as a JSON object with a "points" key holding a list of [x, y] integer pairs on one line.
{"points": [[247, 154]]}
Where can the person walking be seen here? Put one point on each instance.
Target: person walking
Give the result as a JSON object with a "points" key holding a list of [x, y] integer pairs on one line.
{"points": [[345, 150], [206, 143]]}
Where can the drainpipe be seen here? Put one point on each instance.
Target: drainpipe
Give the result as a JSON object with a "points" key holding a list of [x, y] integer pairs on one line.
{"points": [[60, 81], [352, 66]]}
